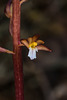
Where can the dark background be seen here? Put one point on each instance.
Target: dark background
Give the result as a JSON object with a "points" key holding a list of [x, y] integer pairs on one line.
{"points": [[46, 77]]}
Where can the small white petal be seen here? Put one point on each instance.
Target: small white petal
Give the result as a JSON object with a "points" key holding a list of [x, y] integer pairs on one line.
{"points": [[29, 53], [32, 53]]}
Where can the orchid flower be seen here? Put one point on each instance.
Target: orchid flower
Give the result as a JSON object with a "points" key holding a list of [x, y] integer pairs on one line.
{"points": [[6, 51], [8, 13], [33, 44]]}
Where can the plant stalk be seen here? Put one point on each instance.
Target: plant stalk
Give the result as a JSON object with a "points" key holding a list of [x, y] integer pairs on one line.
{"points": [[17, 59]]}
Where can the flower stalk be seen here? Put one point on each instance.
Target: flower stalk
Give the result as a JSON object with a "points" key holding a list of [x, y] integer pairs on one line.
{"points": [[17, 59]]}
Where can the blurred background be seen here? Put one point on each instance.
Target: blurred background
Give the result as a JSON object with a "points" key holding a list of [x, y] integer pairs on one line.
{"points": [[45, 78]]}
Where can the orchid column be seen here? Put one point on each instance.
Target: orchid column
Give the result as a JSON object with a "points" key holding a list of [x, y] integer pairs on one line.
{"points": [[17, 61]]}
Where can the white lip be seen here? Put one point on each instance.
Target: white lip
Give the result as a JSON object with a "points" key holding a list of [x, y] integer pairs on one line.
{"points": [[32, 53]]}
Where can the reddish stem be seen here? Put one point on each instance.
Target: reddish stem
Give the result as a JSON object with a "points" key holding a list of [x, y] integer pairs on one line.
{"points": [[18, 72]]}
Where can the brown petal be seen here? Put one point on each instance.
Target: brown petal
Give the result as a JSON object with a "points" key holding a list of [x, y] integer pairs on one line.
{"points": [[5, 50], [41, 47], [21, 45], [22, 1], [40, 42], [30, 40], [8, 10], [25, 43], [35, 37]]}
